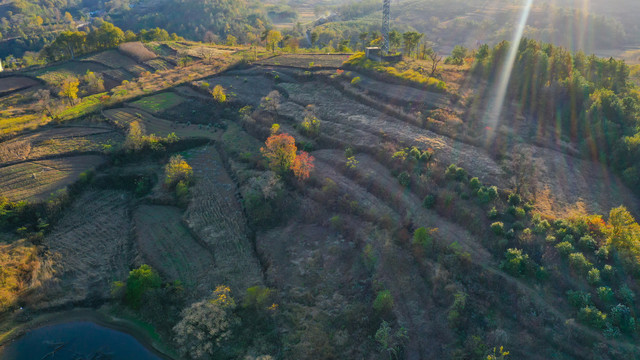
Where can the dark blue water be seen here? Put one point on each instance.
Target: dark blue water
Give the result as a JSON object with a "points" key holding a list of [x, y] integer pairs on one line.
{"points": [[82, 339]]}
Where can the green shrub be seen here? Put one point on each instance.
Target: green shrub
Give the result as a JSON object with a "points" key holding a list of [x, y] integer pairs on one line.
{"points": [[422, 237], [568, 238], [621, 317], [626, 295], [493, 213], [140, 280], [258, 298], [497, 228], [605, 294], [182, 190], [404, 179], [603, 253], [593, 276], [579, 262], [474, 183], [541, 227], [450, 172], [578, 299], [608, 272], [551, 239], [356, 80], [514, 199], [461, 174], [383, 304], [429, 201], [520, 213], [587, 243], [593, 317], [492, 191], [517, 226], [564, 248], [515, 262]]}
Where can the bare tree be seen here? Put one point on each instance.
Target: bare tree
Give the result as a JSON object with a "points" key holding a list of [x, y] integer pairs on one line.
{"points": [[436, 59]]}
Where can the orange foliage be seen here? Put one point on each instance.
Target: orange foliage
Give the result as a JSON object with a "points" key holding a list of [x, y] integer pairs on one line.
{"points": [[281, 151], [303, 165]]}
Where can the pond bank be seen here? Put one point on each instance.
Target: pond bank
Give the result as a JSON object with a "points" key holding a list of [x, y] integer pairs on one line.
{"points": [[101, 317]]}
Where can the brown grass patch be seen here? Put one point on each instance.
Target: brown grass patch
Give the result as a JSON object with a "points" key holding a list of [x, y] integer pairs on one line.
{"points": [[137, 51], [18, 263]]}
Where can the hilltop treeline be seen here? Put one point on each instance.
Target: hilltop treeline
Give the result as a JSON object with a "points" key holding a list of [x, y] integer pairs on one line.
{"points": [[586, 100], [102, 36], [208, 20]]}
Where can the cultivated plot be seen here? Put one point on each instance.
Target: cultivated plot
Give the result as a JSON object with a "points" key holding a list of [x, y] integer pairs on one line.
{"points": [[90, 247], [37, 180], [167, 245]]}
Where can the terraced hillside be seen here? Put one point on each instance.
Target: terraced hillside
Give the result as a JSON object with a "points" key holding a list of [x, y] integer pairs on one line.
{"points": [[407, 238]]}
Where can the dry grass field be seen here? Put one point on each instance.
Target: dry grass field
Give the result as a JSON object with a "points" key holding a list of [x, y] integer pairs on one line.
{"points": [[37, 180], [137, 51], [166, 244]]}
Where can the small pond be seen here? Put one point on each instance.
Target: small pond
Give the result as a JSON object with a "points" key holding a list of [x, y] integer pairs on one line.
{"points": [[76, 340]]}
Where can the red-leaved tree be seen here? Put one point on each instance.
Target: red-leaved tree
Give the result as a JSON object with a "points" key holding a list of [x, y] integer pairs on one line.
{"points": [[283, 156], [302, 165]]}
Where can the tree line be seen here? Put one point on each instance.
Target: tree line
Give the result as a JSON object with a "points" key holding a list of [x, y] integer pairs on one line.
{"points": [[102, 35], [587, 100]]}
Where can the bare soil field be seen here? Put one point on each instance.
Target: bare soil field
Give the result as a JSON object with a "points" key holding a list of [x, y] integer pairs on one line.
{"points": [[216, 217], [36, 180], [243, 89], [306, 61], [90, 247], [159, 126], [166, 244], [58, 141], [14, 83]]}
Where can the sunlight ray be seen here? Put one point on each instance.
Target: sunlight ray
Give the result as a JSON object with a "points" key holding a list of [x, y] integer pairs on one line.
{"points": [[492, 117]]}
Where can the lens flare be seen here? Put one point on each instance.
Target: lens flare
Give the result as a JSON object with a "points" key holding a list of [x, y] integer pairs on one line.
{"points": [[495, 109]]}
